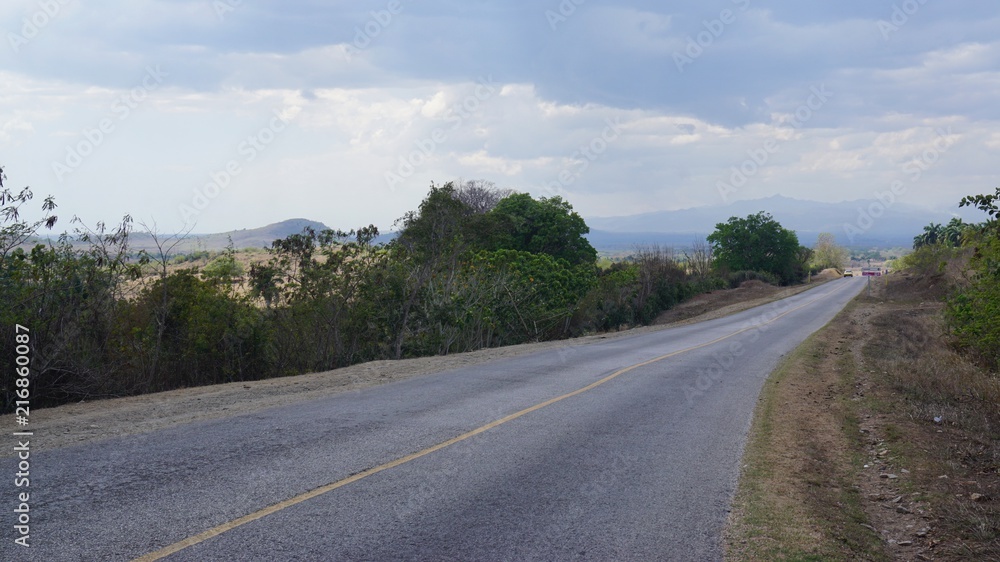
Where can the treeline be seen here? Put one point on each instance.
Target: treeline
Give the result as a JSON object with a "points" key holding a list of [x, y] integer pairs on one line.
{"points": [[969, 255], [473, 267]]}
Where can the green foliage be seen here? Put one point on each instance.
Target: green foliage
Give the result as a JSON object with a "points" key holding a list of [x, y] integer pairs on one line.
{"points": [[328, 299], [637, 291], [472, 267], [973, 310], [71, 301], [987, 203], [950, 235], [611, 303], [190, 332], [446, 225], [973, 315], [827, 254], [928, 260], [541, 226], [194, 256], [758, 243], [499, 297], [225, 269], [438, 227]]}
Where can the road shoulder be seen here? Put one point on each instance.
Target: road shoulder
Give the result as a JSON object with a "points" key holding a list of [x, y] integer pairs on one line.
{"points": [[873, 441]]}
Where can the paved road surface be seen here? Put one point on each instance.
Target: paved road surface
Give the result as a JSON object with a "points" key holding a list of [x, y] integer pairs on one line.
{"points": [[626, 449]]}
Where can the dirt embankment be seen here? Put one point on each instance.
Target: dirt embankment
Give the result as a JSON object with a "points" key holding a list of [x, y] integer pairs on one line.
{"points": [[875, 441], [86, 422]]}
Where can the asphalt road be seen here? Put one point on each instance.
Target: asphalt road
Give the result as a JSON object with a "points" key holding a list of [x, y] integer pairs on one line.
{"points": [[625, 449]]}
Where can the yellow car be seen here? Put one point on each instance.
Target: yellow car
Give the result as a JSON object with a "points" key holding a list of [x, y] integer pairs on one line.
{"points": [[848, 273]]}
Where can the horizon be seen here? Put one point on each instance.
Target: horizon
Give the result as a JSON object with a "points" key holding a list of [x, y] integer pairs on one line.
{"points": [[882, 239]]}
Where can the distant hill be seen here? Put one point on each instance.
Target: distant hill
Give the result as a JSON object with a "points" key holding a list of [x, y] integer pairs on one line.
{"points": [[618, 242], [246, 238], [897, 226]]}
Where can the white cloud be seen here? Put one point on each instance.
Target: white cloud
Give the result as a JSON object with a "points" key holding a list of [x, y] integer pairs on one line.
{"points": [[419, 103]]}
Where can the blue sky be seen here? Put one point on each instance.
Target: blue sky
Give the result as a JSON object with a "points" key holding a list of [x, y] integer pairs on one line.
{"points": [[227, 114]]}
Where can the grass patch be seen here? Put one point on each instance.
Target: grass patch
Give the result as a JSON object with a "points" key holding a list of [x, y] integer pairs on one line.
{"points": [[797, 499], [940, 414], [875, 440]]}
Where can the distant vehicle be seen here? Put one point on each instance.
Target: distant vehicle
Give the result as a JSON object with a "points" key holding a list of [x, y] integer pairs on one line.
{"points": [[848, 273]]}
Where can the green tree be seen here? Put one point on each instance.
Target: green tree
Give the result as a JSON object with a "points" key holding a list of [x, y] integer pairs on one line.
{"points": [[757, 243], [224, 270], [13, 230], [953, 232], [326, 299], [986, 203], [541, 226], [973, 311], [202, 336], [828, 254], [932, 234], [438, 228], [527, 296]]}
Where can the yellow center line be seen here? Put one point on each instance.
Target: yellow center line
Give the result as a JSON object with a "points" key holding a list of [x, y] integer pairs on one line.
{"points": [[230, 525]]}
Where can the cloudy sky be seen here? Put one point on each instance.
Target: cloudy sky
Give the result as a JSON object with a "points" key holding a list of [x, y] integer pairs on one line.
{"points": [[228, 114]]}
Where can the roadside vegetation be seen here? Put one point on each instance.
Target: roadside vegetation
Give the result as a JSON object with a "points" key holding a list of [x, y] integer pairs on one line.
{"points": [[473, 267], [879, 439]]}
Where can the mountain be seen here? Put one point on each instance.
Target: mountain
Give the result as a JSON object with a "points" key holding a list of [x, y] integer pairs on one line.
{"points": [[617, 242], [245, 238], [855, 223]]}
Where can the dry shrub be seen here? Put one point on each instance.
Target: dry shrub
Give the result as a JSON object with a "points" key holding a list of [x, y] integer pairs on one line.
{"points": [[913, 352], [953, 403]]}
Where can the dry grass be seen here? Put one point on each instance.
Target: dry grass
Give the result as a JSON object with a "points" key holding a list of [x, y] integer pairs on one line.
{"points": [[945, 412], [879, 391], [715, 304], [796, 499]]}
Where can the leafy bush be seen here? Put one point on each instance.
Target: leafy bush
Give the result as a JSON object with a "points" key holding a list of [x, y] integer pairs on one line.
{"points": [[637, 291], [974, 309], [509, 270], [610, 303], [973, 315], [759, 243], [224, 269], [189, 332], [929, 260], [194, 256]]}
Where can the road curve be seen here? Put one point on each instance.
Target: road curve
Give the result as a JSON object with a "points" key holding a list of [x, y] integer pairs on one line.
{"points": [[625, 449]]}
